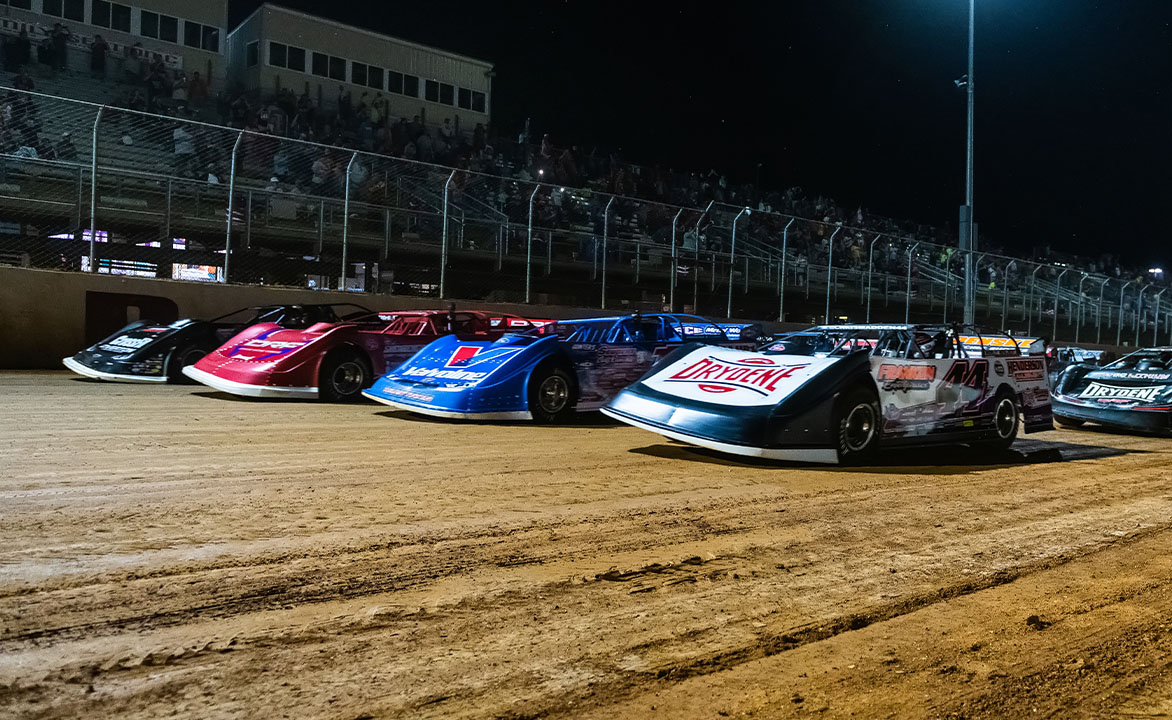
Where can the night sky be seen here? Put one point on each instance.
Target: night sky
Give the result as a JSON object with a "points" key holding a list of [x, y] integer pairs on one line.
{"points": [[852, 99]]}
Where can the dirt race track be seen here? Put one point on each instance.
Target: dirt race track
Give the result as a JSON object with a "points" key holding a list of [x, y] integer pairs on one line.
{"points": [[170, 551]]}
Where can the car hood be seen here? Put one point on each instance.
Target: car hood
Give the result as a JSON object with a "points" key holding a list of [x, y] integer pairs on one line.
{"points": [[452, 363], [138, 338]]}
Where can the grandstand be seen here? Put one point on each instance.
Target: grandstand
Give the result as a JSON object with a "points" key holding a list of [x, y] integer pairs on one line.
{"points": [[311, 215]]}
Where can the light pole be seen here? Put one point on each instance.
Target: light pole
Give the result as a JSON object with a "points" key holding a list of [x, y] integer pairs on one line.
{"points": [[1156, 323], [907, 307], [1119, 330], [1099, 311], [968, 241], [1057, 287], [830, 272], [1078, 325]]}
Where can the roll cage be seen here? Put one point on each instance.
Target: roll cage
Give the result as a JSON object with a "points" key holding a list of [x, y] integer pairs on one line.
{"points": [[909, 342]]}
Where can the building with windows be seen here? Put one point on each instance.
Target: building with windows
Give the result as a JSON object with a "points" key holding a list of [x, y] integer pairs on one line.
{"points": [[278, 48], [187, 35]]}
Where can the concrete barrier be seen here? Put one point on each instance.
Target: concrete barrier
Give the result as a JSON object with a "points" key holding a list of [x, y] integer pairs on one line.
{"points": [[46, 315]]}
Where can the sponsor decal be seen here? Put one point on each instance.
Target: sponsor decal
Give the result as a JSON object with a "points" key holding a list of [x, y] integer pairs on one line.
{"points": [[1026, 369], [468, 355], [717, 375], [1117, 375], [261, 348], [702, 330], [437, 373], [1115, 393], [463, 357], [406, 394], [123, 343], [901, 378], [999, 367]]}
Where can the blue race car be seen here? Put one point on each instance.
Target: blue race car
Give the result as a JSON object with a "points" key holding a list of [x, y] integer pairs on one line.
{"points": [[549, 373]]}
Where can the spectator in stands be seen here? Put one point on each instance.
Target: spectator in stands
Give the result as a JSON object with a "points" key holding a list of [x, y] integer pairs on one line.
{"points": [[98, 51], [239, 111], [23, 81], [179, 91], [197, 91], [185, 156], [65, 150], [157, 86], [17, 51], [60, 37], [132, 63]]}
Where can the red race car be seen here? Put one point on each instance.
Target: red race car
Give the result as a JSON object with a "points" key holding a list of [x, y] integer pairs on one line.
{"points": [[337, 361]]}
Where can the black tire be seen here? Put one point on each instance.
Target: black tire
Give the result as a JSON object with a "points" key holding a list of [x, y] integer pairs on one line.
{"points": [[180, 358], [552, 394], [856, 425], [1006, 418], [344, 375], [1068, 422]]}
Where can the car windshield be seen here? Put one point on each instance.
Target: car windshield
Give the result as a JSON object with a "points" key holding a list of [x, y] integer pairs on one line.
{"points": [[818, 344], [1144, 361]]}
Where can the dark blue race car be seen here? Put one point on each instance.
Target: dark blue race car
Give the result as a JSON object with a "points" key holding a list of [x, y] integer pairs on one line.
{"points": [[1132, 393], [546, 374]]}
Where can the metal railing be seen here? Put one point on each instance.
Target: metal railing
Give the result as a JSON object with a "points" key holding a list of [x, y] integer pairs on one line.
{"points": [[180, 199]]}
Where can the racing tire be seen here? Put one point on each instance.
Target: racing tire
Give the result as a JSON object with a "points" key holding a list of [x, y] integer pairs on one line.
{"points": [[552, 395], [180, 358], [1005, 421], [856, 426], [343, 377], [1068, 422]]}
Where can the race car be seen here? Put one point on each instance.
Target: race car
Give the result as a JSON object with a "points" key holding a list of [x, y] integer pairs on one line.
{"points": [[839, 393], [336, 361], [157, 353], [549, 374], [1133, 393], [1058, 359]]}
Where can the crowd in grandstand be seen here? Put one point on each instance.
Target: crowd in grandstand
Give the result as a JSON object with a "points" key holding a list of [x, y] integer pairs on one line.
{"points": [[145, 83]]}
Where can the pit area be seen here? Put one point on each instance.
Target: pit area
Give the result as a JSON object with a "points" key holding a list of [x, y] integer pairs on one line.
{"points": [[169, 550]]}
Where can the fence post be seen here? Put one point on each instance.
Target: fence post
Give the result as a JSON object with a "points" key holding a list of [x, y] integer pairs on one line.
{"points": [[830, 272], [167, 217], [231, 197], [1005, 297], [696, 261], [605, 240], [1119, 330], [1156, 321], [444, 240], [529, 247], [907, 304], [781, 274], [1078, 325], [387, 233], [870, 273], [732, 256], [346, 221], [248, 221], [1029, 309], [674, 262], [1139, 305], [1099, 311], [94, 193], [1057, 286]]}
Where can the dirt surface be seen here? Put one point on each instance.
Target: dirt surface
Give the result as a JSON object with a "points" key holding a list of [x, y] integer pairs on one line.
{"points": [[171, 551]]}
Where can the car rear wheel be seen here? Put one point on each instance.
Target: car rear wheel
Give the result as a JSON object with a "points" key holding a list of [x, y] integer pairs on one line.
{"points": [[856, 425], [181, 358], [552, 395], [343, 377], [1068, 422], [1005, 420]]}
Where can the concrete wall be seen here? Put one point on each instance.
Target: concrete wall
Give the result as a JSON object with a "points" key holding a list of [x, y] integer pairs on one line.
{"points": [[42, 312]]}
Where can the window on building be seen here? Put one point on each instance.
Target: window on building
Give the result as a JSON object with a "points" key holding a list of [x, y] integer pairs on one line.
{"points": [[447, 94], [278, 54], [148, 24], [100, 14], [465, 99], [394, 82], [431, 91], [202, 37], [478, 104], [296, 59], [374, 77], [321, 64], [337, 69], [169, 28], [411, 85], [357, 73], [252, 54], [20, 4], [69, 9], [120, 17]]}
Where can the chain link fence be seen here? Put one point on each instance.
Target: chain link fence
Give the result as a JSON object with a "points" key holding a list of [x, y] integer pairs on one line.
{"points": [[179, 199]]}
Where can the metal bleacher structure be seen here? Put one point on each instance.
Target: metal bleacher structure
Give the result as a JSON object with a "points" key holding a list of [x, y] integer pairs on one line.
{"points": [[369, 223]]}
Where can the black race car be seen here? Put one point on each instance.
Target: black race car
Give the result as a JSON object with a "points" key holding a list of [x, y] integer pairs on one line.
{"points": [[1134, 392], [151, 352]]}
